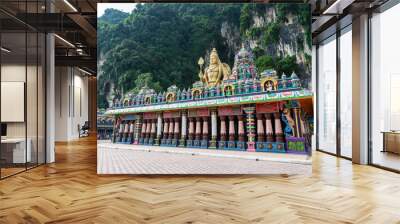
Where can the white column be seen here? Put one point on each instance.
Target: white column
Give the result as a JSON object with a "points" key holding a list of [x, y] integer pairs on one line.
{"points": [[314, 88], [214, 123], [360, 90], [184, 124], [159, 125], [50, 95], [132, 127]]}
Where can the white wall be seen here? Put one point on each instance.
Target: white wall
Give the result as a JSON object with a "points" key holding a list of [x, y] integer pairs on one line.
{"points": [[71, 102], [33, 126]]}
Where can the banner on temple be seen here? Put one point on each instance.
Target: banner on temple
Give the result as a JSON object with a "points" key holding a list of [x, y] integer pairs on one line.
{"points": [[201, 112], [171, 114], [129, 117], [226, 111], [149, 115], [268, 107]]}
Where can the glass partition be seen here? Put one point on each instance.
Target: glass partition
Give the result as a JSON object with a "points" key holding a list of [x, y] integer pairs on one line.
{"points": [[346, 92], [41, 96], [326, 104], [14, 146], [385, 89], [22, 77], [31, 97]]}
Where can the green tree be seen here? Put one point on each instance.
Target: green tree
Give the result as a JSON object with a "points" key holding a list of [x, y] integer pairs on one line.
{"points": [[271, 33], [264, 62], [287, 65], [245, 18], [146, 79]]}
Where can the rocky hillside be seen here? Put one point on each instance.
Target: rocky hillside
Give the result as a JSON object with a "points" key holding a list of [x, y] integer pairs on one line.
{"points": [[161, 43]]}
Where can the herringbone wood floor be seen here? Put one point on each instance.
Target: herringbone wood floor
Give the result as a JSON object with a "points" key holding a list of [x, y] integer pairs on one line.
{"points": [[69, 191]]}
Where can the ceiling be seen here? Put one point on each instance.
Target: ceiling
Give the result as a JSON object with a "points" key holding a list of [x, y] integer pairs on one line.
{"points": [[75, 22]]}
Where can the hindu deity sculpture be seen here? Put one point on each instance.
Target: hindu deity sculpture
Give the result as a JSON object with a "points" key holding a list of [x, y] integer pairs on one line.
{"points": [[215, 72], [289, 122]]}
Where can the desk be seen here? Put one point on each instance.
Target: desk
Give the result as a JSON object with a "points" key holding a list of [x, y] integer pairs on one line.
{"points": [[13, 150], [391, 141]]}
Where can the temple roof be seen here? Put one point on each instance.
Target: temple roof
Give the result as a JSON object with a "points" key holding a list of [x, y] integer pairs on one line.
{"points": [[261, 97]]}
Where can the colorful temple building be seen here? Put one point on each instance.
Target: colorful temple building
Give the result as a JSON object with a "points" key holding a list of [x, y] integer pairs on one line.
{"points": [[238, 109], [104, 126]]}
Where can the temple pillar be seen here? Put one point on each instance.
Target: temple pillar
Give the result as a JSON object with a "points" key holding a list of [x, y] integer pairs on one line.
{"points": [[131, 130], [297, 123], [191, 132], [231, 144], [115, 130], [260, 128], [143, 132], [191, 128], [198, 128], [159, 129], [231, 131], [214, 124], [176, 128], [197, 140], [250, 127], [170, 131], [121, 131], [165, 131], [222, 132], [126, 132], [176, 132], [268, 128], [153, 131], [204, 143], [278, 128], [138, 128], [241, 133], [148, 130], [183, 129]]}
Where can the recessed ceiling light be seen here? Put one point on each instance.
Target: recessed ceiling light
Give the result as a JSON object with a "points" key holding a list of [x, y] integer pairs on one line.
{"points": [[64, 40], [84, 71], [337, 7], [5, 50], [70, 5]]}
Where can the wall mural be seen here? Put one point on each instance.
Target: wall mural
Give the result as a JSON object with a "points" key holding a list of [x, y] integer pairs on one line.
{"points": [[250, 86]]}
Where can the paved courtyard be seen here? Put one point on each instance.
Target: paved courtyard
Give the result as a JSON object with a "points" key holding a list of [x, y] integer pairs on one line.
{"points": [[139, 159]]}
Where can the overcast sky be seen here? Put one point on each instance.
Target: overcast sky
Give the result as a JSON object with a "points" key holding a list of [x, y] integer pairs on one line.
{"points": [[125, 7]]}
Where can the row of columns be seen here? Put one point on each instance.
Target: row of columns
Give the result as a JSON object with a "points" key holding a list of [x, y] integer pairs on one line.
{"points": [[231, 134], [198, 128], [261, 127], [148, 131], [268, 132], [171, 128]]}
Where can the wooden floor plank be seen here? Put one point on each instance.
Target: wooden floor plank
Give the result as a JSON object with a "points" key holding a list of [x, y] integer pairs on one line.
{"points": [[70, 191]]}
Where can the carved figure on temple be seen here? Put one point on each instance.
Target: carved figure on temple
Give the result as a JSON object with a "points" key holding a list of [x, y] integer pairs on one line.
{"points": [[269, 80], [228, 90], [289, 122], [284, 81], [215, 72], [269, 86], [147, 100], [295, 80]]}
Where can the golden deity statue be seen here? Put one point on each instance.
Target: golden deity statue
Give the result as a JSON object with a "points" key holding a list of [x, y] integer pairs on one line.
{"points": [[215, 72]]}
